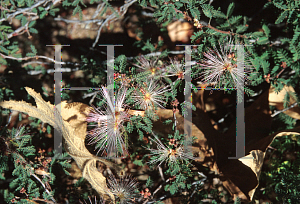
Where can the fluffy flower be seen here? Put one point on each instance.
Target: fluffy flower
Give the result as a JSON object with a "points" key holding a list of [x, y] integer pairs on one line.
{"points": [[150, 94], [124, 189], [90, 201], [151, 66], [222, 65], [168, 154], [109, 128], [176, 69]]}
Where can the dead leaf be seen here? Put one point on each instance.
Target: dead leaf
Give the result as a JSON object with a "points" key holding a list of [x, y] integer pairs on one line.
{"points": [[68, 119], [180, 31]]}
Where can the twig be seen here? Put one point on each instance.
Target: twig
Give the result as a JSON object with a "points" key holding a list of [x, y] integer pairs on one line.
{"points": [[113, 17], [35, 57], [161, 173], [159, 187], [47, 191], [224, 32], [97, 21], [277, 112], [24, 10], [24, 28], [43, 200]]}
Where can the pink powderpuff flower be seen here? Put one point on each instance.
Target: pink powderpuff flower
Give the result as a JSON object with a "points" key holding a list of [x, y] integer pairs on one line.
{"points": [[150, 95], [90, 201], [222, 65], [124, 188], [168, 154], [151, 66], [176, 69], [109, 128]]}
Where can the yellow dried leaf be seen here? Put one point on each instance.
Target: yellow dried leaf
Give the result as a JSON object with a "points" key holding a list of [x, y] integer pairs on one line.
{"points": [[69, 120]]}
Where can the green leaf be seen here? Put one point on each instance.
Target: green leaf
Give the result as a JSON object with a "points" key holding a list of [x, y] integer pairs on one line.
{"points": [[241, 28], [266, 30], [262, 40], [286, 100], [19, 16], [33, 30], [235, 19], [23, 20], [32, 23], [230, 9], [30, 55], [139, 162], [3, 49], [265, 65], [48, 129], [281, 17], [40, 8], [33, 49], [43, 14], [207, 10]]}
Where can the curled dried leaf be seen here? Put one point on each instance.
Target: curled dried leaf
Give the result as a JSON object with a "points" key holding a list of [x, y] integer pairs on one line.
{"points": [[69, 120]]}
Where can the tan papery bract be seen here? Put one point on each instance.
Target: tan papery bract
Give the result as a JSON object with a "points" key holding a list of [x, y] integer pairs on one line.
{"points": [[72, 125]]}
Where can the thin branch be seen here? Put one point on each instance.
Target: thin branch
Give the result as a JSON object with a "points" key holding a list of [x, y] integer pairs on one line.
{"points": [[21, 11], [283, 110], [97, 21], [24, 28], [42, 200], [47, 191], [123, 9], [66, 69], [159, 187], [35, 57], [161, 173]]}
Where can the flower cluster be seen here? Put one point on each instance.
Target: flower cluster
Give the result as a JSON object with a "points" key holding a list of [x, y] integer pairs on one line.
{"points": [[176, 69], [222, 67], [94, 201], [124, 188], [109, 124], [149, 95], [151, 66], [169, 154]]}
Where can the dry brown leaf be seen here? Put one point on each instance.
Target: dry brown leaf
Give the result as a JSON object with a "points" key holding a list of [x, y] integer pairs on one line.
{"points": [[254, 160], [180, 31], [73, 128], [276, 99]]}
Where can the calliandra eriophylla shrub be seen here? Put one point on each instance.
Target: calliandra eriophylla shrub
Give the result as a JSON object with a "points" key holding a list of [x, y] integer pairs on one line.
{"points": [[134, 122]]}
